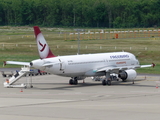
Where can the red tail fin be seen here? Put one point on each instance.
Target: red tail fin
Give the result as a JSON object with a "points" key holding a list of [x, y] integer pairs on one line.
{"points": [[43, 48]]}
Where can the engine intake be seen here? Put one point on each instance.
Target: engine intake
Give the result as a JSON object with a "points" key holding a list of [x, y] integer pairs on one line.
{"points": [[127, 74]]}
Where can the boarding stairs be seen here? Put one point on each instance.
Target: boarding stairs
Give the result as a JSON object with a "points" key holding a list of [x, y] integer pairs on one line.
{"points": [[9, 82]]}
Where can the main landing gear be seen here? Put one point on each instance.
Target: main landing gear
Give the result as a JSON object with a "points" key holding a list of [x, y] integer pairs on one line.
{"points": [[107, 79], [73, 81], [106, 82]]}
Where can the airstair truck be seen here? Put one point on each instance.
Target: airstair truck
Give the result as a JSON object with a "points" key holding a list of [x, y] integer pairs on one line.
{"points": [[9, 82]]}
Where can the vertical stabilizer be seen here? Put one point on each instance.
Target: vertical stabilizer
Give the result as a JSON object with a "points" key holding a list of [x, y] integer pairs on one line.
{"points": [[43, 48]]}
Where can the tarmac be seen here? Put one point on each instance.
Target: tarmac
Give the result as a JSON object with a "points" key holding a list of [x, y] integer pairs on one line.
{"points": [[52, 98]]}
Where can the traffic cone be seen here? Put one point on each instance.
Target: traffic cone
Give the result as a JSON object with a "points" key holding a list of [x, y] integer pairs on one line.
{"points": [[157, 86], [21, 90]]}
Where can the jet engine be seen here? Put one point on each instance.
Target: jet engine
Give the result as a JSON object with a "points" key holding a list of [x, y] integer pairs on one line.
{"points": [[127, 74]]}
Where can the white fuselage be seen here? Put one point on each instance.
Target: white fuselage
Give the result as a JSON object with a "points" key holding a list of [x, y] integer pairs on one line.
{"points": [[84, 65]]}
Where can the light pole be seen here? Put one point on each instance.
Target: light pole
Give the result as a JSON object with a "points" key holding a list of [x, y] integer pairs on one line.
{"points": [[78, 39]]}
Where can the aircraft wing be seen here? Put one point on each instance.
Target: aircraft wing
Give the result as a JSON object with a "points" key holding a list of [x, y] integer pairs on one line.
{"points": [[116, 69], [16, 63]]}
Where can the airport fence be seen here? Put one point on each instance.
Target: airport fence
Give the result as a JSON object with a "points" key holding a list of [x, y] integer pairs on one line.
{"points": [[83, 47], [100, 34], [67, 41], [114, 34]]}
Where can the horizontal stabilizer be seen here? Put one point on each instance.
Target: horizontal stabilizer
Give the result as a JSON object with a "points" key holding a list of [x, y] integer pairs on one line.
{"points": [[16, 63]]}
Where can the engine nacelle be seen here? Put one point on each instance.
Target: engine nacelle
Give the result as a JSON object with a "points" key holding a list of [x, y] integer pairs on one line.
{"points": [[128, 74]]}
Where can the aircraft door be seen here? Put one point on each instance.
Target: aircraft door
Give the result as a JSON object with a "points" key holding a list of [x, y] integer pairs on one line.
{"points": [[62, 65]]}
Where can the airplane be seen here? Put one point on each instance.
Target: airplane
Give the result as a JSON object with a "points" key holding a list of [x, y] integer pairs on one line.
{"points": [[80, 66]]}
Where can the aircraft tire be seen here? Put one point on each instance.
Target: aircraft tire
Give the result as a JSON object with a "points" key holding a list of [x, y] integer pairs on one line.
{"points": [[108, 82], [104, 82], [71, 82], [75, 82]]}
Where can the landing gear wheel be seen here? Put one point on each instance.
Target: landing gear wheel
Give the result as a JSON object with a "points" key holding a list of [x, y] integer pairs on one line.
{"points": [[71, 82], [114, 78], [109, 82], [104, 82], [75, 82]]}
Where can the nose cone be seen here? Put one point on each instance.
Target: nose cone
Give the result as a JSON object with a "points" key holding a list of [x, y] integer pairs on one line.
{"points": [[37, 63]]}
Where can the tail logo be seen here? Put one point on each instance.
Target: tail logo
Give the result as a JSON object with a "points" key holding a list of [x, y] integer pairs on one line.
{"points": [[43, 46]]}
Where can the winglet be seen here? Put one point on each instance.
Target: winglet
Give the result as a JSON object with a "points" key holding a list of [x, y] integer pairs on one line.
{"points": [[43, 48], [4, 63], [153, 65]]}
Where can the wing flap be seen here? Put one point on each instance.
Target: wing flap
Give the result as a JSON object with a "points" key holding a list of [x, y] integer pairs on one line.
{"points": [[114, 68]]}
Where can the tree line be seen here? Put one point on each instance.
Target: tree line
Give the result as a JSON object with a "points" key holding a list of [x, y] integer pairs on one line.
{"points": [[81, 13]]}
